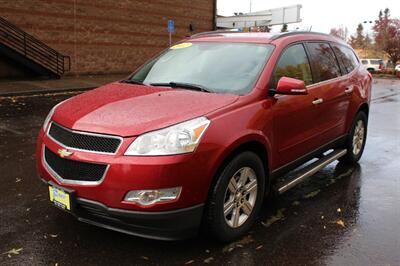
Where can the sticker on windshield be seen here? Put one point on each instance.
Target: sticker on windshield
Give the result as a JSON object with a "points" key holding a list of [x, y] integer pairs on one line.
{"points": [[181, 45]]}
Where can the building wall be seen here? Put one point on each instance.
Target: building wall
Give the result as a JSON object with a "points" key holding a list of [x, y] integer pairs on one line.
{"points": [[108, 36]]}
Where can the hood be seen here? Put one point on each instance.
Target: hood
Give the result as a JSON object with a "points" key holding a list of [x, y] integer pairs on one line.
{"points": [[129, 110]]}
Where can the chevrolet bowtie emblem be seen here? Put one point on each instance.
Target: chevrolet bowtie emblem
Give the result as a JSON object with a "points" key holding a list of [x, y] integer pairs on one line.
{"points": [[64, 153]]}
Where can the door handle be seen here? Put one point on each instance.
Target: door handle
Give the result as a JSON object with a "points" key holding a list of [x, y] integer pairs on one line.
{"points": [[348, 90], [318, 101]]}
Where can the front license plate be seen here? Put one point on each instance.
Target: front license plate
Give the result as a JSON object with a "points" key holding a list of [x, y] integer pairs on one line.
{"points": [[60, 198]]}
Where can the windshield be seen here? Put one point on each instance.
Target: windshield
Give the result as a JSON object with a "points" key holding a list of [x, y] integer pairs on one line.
{"points": [[218, 67]]}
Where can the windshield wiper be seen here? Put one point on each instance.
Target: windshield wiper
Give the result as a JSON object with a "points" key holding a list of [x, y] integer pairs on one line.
{"points": [[189, 86], [131, 81]]}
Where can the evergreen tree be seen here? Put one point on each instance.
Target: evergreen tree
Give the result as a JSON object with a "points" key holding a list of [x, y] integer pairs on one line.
{"points": [[358, 41]]}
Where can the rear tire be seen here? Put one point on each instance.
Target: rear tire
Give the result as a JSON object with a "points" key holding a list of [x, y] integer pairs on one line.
{"points": [[355, 142], [236, 198]]}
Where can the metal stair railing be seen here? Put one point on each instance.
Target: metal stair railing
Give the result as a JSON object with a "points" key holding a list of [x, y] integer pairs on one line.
{"points": [[29, 46]]}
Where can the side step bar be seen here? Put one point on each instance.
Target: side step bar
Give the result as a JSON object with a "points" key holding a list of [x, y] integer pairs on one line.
{"points": [[309, 170]]}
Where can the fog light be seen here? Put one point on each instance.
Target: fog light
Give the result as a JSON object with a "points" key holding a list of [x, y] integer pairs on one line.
{"points": [[151, 196]]}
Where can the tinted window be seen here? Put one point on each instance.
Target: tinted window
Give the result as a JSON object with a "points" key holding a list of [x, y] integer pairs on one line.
{"points": [[293, 63], [365, 62], [323, 62], [346, 56]]}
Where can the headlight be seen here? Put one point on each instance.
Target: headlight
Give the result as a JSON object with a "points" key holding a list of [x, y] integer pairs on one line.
{"points": [[50, 115], [176, 139]]}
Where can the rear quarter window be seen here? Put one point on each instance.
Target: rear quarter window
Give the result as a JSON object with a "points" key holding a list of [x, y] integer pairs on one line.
{"points": [[323, 61], [346, 56]]}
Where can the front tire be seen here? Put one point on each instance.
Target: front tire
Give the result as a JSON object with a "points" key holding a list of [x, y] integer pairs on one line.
{"points": [[236, 198], [355, 142]]}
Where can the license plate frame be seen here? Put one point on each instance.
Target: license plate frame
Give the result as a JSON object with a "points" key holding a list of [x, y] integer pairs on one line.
{"points": [[62, 198]]}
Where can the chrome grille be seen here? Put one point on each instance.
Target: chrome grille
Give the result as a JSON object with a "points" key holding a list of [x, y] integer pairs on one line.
{"points": [[73, 171], [83, 140]]}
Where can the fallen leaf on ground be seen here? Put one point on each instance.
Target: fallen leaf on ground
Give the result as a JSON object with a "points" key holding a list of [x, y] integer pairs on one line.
{"points": [[189, 262], [295, 203], [240, 243], [208, 260], [259, 247], [53, 236], [14, 251], [278, 216], [145, 258], [312, 194], [340, 222]]}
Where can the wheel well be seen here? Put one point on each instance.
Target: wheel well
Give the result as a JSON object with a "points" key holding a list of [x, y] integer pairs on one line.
{"points": [[365, 108], [254, 146]]}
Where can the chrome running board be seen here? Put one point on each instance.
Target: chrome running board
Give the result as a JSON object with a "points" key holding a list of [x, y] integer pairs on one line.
{"points": [[309, 170]]}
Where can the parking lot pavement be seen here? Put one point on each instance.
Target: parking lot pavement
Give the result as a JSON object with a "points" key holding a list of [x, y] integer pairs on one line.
{"points": [[344, 215]]}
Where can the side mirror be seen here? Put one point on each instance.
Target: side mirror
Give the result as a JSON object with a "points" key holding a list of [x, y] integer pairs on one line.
{"points": [[291, 86]]}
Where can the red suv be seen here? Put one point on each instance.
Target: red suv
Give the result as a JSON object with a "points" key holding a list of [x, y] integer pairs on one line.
{"points": [[198, 135]]}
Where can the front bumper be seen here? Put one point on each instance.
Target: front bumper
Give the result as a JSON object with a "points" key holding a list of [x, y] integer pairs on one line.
{"points": [[167, 225]]}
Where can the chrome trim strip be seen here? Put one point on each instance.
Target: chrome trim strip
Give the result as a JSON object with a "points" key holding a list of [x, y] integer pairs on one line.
{"points": [[318, 166], [302, 157], [67, 181], [84, 133], [339, 78]]}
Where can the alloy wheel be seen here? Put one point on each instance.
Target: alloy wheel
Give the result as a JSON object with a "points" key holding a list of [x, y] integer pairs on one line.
{"points": [[358, 137], [240, 197]]}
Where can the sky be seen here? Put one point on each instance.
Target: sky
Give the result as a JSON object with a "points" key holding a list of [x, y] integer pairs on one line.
{"points": [[322, 15]]}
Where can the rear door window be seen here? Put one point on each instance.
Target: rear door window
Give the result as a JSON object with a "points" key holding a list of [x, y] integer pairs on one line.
{"points": [[364, 62], [376, 62], [323, 61], [346, 56], [293, 63]]}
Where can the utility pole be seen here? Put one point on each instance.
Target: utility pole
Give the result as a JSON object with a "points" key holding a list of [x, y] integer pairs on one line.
{"points": [[250, 6], [366, 22]]}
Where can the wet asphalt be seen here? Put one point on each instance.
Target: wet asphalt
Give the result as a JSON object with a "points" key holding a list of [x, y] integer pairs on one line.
{"points": [[344, 215]]}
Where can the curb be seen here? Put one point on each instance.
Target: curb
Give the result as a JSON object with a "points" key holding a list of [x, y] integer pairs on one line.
{"points": [[44, 91]]}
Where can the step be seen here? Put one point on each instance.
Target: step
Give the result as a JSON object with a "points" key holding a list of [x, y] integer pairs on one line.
{"points": [[309, 170]]}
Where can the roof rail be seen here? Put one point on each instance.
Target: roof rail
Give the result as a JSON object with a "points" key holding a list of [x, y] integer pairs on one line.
{"points": [[290, 33], [274, 36], [215, 32]]}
